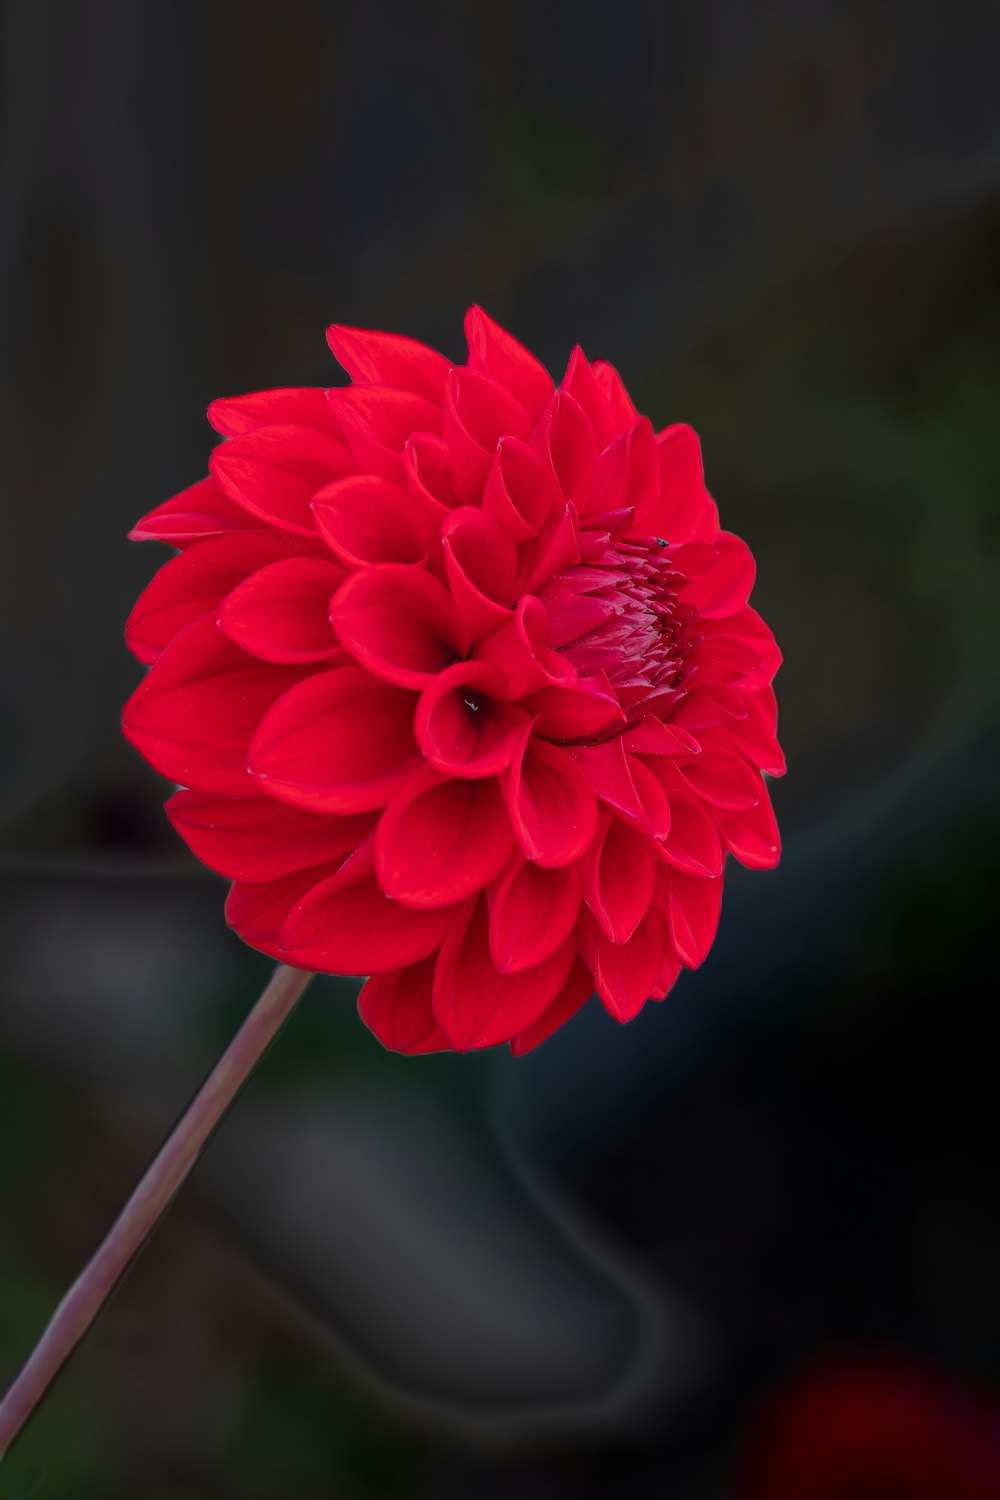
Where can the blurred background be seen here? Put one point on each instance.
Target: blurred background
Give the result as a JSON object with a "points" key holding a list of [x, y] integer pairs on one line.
{"points": [[664, 1259]]}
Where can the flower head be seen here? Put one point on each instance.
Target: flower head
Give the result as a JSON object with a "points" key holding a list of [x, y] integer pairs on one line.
{"points": [[459, 678]]}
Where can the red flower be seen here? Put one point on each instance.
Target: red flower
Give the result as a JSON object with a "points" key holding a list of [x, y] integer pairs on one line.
{"points": [[875, 1429], [459, 676]]}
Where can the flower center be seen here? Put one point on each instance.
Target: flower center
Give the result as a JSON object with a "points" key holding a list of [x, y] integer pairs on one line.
{"points": [[622, 616]]}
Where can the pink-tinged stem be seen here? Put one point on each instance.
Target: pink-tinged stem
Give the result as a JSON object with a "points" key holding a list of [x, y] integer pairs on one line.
{"points": [[151, 1198]]}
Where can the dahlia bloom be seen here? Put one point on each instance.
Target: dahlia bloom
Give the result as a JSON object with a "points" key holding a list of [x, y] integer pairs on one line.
{"points": [[459, 679], [875, 1428]]}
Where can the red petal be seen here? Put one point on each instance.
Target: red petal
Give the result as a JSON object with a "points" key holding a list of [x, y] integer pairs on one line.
{"points": [[723, 588], [693, 841], [257, 909], [574, 994], [551, 804], [622, 410], [572, 615], [619, 877], [259, 839], [556, 548], [477, 413], [366, 520], [684, 511], [390, 359], [476, 1005], [399, 622], [587, 709], [666, 979], [274, 472], [755, 736], [481, 564], [463, 725], [339, 742], [532, 913], [518, 654], [652, 737], [752, 836], [625, 784], [721, 778], [200, 511], [746, 627], [628, 471], [196, 711], [346, 925], [440, 841], [493, 351], [582, 384], [693, 905], [292, 406], [195, 584], [378, 420], [567, 438], [429, 472], [624, 973], [519, 492], [282, 612], [397, 1008]]}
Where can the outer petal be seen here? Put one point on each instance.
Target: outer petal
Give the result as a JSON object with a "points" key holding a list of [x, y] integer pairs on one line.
{"points": [[551, 804], [378, 420], [532, 913], [723, 588], [441, 841], [625, 974], [390, 359], [721, 778], [477, 413], [493, 351], [752, 836], [622, 410], [259, 839], [400, 623], [366, 520], [567, 439], [693, 905], [292, 406], [476, 1005], [195, 584], [196, 711], [274, 472], [338, 742], [619, 877], [397, 1008], [574, 994], [256, 910], [282, 612], [684, 510], [202, 510], [347, 925], [582, 384], [693, 843], [464, 726]]}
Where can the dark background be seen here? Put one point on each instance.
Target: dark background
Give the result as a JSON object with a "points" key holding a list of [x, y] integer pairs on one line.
{"points": [[580, 1274]]}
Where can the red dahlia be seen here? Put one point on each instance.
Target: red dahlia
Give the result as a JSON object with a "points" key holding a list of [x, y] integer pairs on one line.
{"points": [[459, 678]]}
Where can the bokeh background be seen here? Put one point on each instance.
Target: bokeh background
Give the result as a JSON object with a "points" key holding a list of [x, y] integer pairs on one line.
{"points": [[593, 1271]]}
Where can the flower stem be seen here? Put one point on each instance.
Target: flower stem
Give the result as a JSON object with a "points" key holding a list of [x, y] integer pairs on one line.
{"points": [[150, 1200]]}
